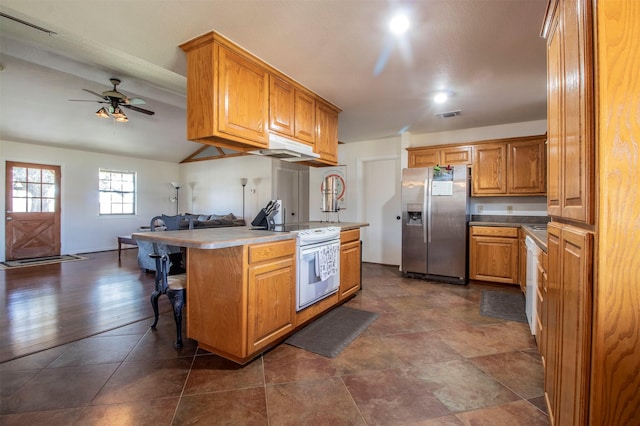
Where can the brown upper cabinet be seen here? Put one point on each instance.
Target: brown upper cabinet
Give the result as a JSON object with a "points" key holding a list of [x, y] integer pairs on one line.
{"points": [[527, 167], [227, 94], [326, 133], [570, 112], [489, 169], [292, 111], [234, 100], [515, 166], [432, 156], [501, 167]]}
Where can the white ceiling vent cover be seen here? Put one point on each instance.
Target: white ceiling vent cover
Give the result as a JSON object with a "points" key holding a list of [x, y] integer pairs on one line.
{"points": [[448, 114]]}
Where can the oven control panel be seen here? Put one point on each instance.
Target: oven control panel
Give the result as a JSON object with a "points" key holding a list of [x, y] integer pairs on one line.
{"points": [[318, 234]]}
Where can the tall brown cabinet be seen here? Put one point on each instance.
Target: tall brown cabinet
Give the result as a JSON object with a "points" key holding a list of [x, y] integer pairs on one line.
{"points": [[591, 312]]}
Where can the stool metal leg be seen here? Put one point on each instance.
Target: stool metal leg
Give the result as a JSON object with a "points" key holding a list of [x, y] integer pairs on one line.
{"points": [[177, 301], [154, 303]]}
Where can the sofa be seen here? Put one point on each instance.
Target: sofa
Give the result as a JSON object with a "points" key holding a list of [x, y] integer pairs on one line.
{"points": [[188, 221]]}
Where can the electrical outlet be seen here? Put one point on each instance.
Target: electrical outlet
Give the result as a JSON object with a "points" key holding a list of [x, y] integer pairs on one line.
{"points": [[480, 208], [509, 209]]}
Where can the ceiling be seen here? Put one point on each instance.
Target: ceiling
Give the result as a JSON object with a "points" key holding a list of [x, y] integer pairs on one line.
{"points": [[486, 53]]}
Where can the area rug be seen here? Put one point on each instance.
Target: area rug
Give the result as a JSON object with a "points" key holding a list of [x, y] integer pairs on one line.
{"points": [[334, 331], [39, 261], [503, 305]]}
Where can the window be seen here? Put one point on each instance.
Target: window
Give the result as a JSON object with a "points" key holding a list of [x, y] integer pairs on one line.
{"points": [[117, 192], [34, 189]]}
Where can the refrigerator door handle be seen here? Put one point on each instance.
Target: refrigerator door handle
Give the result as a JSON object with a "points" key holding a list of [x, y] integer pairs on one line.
{"points": [[428, 211], [424, 211]]}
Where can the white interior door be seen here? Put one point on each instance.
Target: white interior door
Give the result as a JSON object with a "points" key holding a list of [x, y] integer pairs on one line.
{"points": [[292, 187], [382, 239]]}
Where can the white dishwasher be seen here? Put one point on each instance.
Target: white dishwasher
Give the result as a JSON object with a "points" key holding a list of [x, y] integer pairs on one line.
{"points": [[533, 251]]}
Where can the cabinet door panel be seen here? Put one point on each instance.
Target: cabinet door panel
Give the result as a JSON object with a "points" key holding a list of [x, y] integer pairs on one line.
{"points": [[281, 106], [575, 338], [489, 172], [349, 269], [271, 306], [326, 132], [554, 120], [578, 142], [424, 158], [552, 320], [242, 97], [305, 117], [457, 155], [494, 259], [522, 258], [527, 168]]}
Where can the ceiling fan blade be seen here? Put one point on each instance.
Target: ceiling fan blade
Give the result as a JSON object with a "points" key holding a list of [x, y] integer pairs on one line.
{"points": [[94, 93], [87, 100], [135, 108], [136, 101]]}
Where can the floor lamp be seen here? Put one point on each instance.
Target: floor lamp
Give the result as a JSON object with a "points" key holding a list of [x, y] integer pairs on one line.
{"points": [[176, 185], [243, 182]]}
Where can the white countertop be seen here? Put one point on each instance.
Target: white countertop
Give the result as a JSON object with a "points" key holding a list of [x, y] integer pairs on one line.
{"points": [[215, 238]]}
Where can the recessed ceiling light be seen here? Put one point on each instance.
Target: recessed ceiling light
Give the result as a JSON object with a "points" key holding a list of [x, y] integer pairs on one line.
{"points": [[399, 24], [440, 97]]}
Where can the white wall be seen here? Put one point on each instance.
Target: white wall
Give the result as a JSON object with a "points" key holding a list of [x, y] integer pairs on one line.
{"points": [[351, 155], [513, 130], [515, 206], [213, 187], [82, 228]]}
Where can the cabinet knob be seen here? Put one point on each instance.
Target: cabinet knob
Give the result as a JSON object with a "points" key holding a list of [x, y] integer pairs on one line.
{"points": [[397, 217]]}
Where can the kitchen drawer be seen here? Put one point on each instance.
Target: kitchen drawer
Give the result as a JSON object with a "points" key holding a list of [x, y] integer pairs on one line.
{"points": [[261, 252], [352, 235], [494, 231]]}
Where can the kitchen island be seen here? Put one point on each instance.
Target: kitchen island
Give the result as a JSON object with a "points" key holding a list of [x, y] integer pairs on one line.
{"points": [[241, 285]]}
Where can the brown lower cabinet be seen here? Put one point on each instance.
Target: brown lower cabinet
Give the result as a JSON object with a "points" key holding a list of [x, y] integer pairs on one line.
{"points": [[241, 299], [350, 265], [522, 260], [541, 295], [493, 254], [567, 324]]}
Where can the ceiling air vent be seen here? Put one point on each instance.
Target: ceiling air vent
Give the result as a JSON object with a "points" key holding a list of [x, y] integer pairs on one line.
{"points": [[447, 114]]}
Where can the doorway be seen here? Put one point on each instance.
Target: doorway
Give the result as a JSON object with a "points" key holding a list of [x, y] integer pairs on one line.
{"points": [[32, 225], [381, 209], [291, 185]]}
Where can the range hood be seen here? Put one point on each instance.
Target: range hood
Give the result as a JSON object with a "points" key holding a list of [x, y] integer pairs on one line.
{"points": [[287, 150]]}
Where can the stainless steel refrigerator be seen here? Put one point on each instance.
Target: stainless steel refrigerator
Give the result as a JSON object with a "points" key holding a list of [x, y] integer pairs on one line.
{"points": [[435, 215]]}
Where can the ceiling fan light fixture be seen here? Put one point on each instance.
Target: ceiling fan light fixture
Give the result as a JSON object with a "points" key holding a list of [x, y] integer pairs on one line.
{"points": [[102, 112], [117, 113], [122, 119]]}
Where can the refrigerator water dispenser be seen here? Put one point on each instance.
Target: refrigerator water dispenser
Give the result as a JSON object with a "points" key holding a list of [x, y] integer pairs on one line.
{"points": [[415, 218]]}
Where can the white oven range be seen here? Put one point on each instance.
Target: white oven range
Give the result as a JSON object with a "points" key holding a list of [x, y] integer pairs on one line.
{"points": [[318, 253]]}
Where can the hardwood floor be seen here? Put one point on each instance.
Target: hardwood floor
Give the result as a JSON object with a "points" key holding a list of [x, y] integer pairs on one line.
{"points": [[50, 305]]}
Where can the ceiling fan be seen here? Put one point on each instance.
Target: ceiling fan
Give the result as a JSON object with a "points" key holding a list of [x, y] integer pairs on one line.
{"points": [[115, 102]]}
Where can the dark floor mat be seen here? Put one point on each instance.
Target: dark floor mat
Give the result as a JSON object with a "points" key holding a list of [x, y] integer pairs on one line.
{"points": [[331, 333], [503, 305]]}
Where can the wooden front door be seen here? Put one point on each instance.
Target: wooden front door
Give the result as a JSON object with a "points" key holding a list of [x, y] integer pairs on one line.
{"points": [[33, 210]]}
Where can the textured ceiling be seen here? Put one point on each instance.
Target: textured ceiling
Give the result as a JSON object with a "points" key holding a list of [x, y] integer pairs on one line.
{"points": [[487, 53]]}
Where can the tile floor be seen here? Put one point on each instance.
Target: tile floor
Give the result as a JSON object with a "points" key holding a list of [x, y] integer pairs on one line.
{"points": [[429, 359]]}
